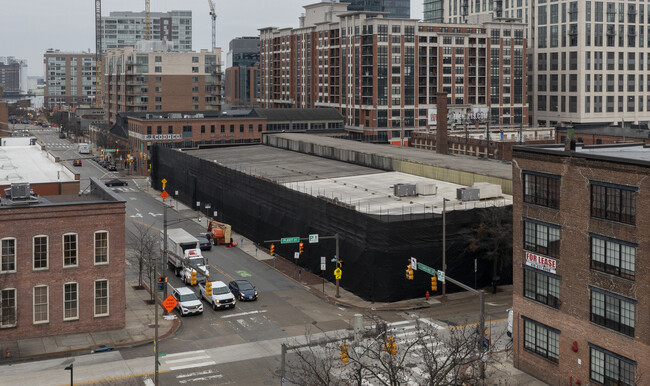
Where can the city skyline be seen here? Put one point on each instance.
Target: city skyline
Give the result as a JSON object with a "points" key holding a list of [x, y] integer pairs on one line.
{"points": [[69, 25]]}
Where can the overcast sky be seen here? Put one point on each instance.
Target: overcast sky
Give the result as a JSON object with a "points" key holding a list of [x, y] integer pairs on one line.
{"points": [[29, 27]]}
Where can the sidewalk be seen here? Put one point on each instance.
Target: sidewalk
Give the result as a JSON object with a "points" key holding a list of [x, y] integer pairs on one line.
{"points": [[140, 318], [139, 330]]}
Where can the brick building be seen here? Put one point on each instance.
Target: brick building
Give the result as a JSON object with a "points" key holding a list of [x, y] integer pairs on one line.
{"points": [[384, 74], [605, 135], [141, 80], [63, 263], [70, 78], [580, 293]]}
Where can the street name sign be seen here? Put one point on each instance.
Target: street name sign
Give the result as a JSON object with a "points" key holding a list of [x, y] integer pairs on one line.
{"points": [[289, 240], [426, 269]]}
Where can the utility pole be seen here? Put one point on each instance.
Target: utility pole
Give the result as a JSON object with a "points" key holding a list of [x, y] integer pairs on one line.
{"points": [[163, 260], [444, 245], [155, 339], [336, 237]]}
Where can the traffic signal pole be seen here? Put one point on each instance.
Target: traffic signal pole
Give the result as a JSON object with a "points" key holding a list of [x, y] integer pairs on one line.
{"points": [[163, 260]]}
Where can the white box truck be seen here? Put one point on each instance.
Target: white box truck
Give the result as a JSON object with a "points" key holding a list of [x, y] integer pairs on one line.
{"points": [[184, 256]]}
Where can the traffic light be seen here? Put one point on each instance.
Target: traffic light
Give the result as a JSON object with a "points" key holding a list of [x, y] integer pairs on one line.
{"points": [[344, 353], [434, 283], [391, 345], [300, 247], [339, 263], [409, 272], [193, 278], [208, 288], [161, 283], [272, 249]]}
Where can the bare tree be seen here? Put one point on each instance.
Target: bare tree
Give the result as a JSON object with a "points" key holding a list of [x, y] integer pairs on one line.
{"points": [[491, 240], [426, 355], [143, 252]]}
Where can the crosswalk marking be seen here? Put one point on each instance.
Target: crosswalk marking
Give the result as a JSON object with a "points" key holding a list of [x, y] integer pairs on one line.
{"points": [[192, 359], [192, 365], [186, 359]]}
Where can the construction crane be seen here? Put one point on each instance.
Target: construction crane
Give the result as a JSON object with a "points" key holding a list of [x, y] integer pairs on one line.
{"points": [[98, 54], [147, 20], [213, 15]]}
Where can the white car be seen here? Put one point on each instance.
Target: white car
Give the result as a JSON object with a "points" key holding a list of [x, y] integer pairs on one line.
{"points": [[221, 296], [188, 303], [509, 328]]}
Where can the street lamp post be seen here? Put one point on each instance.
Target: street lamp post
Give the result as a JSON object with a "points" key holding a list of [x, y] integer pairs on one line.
{"points": [[69, 367]]}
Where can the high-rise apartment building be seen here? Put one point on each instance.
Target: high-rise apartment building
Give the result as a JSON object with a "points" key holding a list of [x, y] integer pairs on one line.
{"points": [[13, 76], [242, 71], [384, 74], [70, 78], [580, 279], [394, 8], [124, 29], [161, 81], [589, 60]]}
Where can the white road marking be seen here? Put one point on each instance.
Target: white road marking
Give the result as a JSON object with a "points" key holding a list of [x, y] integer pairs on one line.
{"points": [[242, 314], [432, 324], [149, 382], [184, 353], [202, 364], [200, 379], [137, 215], [188, 359], [205, 372], [400, 323]]}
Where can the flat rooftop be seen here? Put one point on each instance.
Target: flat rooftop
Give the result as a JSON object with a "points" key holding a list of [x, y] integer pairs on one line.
{"points": [[366, 189], [637, 152], [22, 162]]}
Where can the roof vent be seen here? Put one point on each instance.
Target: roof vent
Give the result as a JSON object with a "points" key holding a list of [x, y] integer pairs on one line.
{"points": [[7, 166]]}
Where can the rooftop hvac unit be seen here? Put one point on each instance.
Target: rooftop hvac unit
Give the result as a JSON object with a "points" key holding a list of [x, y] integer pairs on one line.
{"points": [[20, 190], [404, 190], [426, 189], [487, 190], [467, 194]]}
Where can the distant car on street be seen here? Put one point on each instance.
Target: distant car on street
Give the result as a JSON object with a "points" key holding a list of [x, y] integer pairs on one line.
{"points": [[77, 162], [204, 243], [111, 167], [243, 290], [116, 183]]}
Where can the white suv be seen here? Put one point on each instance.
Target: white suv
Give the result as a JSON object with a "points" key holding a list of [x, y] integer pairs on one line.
{"points": [[188, 303]]}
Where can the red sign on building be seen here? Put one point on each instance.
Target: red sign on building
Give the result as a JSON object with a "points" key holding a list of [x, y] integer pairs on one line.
{"points": [[541, 262]]}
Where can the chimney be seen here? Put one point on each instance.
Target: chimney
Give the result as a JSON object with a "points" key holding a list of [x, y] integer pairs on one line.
{"points": [[569, 142], [442, 146]]}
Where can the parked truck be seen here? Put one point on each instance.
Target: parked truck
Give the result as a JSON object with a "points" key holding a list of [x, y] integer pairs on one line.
{"points": [[220, 233], [184, 256]]}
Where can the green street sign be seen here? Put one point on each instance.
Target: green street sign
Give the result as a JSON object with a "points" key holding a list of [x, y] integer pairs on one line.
{"points": [[289, 240], [427, 269]]}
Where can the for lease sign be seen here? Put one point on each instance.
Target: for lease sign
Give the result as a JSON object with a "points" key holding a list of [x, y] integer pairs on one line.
{"points": [[540, 262]]}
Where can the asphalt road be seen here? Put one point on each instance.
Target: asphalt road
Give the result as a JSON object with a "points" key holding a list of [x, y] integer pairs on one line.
{"points": [[239, 345]]}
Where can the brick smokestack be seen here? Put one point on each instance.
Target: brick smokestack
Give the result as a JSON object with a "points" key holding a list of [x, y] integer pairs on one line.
{"points": [[442, 146]]}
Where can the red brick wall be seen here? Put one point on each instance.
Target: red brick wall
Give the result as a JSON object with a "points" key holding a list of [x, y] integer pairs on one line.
{"points": [[54, 221], [573, 265]]}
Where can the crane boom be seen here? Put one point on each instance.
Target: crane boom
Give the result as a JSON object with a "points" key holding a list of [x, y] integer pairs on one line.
{"points": [[147, 20], [213, 15], [98, 53]]}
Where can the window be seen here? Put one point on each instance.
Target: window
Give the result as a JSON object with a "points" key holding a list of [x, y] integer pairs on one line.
{"points": [[195, 69], [542, 189], [8, 311], [612, 311], [101, 298], [541, 237], [541, 286], [70, 250], [70, 303], [608, 368], [101, 247], [41, 301], [8, 255], [541, 339], [158, 59], [157, 69], [613, 202], [40, 252], [613, 256]]}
